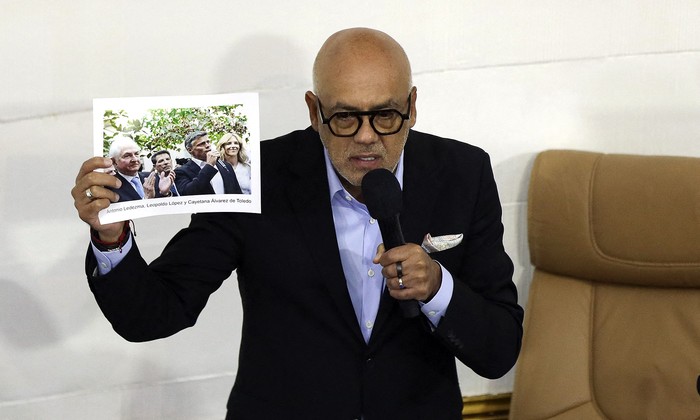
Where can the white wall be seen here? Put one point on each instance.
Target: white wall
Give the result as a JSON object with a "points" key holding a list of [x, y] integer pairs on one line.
{"points": [[512, 77]]}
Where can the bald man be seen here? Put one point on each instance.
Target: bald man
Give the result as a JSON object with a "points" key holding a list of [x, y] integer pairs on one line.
{"points": [[324, 336]]}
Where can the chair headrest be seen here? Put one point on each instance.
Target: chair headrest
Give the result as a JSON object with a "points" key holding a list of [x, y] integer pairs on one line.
{"points": [[616, 218]]}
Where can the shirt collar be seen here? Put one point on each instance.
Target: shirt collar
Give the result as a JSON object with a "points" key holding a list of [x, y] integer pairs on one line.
{"points": [[129, 177], [336, 187], [199, 163]]}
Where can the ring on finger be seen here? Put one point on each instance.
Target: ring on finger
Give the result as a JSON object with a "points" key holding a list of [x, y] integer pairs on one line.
{"points": [[399, 269], [399, 274], [88, 194]]}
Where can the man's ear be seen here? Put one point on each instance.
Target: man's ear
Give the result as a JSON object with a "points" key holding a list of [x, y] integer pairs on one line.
{"points": [[414, 113], [312, 104]]}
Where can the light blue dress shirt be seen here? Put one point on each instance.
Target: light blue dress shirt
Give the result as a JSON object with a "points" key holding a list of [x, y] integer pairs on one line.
{"points": [[358, 238]]}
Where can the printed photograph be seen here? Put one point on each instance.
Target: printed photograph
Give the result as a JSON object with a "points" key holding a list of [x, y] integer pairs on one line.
{"points": [[183, 154]]}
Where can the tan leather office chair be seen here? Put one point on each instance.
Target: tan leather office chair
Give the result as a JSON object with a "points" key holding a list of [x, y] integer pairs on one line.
{"points": [[612, 324]]}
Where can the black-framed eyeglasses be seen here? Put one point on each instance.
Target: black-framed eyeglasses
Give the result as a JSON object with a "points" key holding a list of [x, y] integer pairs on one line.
{"points": [[383, 121]]}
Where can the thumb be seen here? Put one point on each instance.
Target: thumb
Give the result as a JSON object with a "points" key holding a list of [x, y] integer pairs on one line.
{"points": [[380, 251]]}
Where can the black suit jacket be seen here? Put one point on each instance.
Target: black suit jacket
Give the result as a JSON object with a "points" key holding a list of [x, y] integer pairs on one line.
{"points": [[193, 180], [126, 191], [302, 354]]}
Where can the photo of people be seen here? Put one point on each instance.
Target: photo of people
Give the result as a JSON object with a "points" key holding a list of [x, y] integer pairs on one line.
{"points": [[206, 172], [171, 154], [138, 185]]}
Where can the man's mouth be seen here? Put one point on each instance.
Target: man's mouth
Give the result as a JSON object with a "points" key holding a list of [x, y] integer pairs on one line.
{"points": [[365, 162]]}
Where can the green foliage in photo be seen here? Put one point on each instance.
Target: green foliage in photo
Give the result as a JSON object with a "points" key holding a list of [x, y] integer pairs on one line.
{"points": [[166, 128]]}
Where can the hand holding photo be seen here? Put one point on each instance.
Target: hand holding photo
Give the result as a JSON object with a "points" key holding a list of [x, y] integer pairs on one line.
{"points": [[181, 154]]}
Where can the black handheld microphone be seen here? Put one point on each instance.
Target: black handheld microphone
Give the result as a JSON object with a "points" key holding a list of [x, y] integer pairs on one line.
{"points": [[382, 195]]}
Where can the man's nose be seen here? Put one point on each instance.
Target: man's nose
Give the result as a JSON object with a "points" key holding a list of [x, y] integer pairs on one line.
{"points": [[366, 133]]}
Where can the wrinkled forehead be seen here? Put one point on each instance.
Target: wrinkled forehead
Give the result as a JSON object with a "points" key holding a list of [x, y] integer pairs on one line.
{"points": [[364, 86], [129, 152]]}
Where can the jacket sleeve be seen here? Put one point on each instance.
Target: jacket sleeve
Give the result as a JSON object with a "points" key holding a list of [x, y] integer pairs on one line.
{"points": [[150, 301], [482, 325]]}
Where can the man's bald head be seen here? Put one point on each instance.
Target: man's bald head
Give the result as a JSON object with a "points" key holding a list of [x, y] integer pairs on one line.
{"points": [[360, 73], [360, 49]]}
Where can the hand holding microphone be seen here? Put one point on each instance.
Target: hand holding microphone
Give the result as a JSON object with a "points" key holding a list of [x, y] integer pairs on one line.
{"points": [[411, 274]]}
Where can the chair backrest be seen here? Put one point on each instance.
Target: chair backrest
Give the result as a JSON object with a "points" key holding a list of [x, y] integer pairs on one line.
{"points": [[612, 324]]}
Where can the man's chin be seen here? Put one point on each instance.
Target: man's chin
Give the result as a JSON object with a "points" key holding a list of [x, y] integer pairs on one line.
{"points": [[353, 179], [354, 175]]}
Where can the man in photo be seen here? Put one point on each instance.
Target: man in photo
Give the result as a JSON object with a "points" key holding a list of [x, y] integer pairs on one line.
{"points": [[163, 174], [125, 156], [205, 173]]}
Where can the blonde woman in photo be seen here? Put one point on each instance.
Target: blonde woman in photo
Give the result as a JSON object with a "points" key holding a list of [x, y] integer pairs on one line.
{"points": [[231, 149]]}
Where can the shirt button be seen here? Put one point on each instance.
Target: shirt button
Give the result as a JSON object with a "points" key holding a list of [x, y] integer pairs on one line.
{"points": [[372, 221], [370, 272], [369, 324], [104, 265], [349, 198], [431, 313]]}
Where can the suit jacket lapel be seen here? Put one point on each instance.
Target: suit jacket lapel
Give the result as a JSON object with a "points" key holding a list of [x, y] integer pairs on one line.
{"points": [[229, 177], [127, 192], [309, 195], [194, 169], [421, 184]]}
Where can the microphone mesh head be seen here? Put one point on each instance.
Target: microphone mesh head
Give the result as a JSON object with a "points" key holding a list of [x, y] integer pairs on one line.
{"points": [[382, 193]]}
